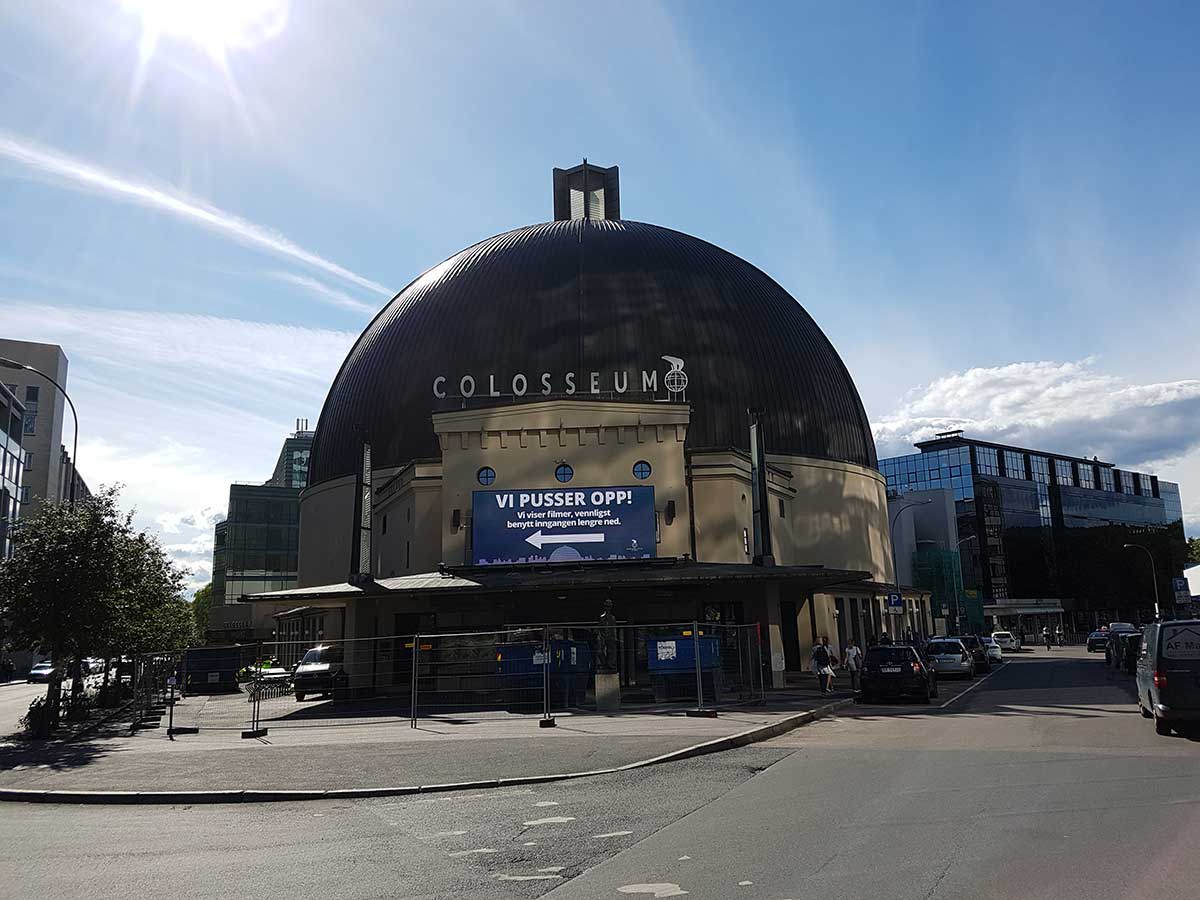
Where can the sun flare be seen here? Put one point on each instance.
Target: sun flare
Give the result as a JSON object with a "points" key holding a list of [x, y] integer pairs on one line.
{"points": [[216, 26]]}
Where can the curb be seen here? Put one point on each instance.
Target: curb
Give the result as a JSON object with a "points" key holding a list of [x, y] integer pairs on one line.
{"points": [[717, 745]]}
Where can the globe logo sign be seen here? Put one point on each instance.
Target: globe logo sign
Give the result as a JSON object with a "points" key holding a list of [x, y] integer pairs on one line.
{"points": [[676, 380]]}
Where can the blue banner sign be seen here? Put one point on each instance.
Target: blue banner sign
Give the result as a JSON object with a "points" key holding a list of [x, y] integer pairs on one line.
{"points": [[531, 526]]}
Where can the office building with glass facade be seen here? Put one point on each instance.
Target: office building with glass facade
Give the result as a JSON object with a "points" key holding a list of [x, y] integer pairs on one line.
{"points": [[1041, 525], [255, 546], [13, 461]]}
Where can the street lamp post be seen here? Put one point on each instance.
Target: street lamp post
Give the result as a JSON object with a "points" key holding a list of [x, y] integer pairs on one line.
{"points": [[892, 536], [13, 364], [957, 611], [1153, 575]]}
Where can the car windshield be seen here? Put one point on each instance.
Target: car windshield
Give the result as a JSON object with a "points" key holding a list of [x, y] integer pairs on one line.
{"points": [[889, 655], [322, 655], [1003, 636]]}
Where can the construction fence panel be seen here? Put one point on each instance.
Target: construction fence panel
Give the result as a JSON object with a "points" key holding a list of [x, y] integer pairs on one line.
{"points": [[343, 682]]}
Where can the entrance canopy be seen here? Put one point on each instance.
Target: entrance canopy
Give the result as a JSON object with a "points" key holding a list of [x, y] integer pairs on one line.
{"points": [[653, 573]]}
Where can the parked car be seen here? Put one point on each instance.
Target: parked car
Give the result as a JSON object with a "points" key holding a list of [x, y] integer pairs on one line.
{"points": [[1115, 630], [1168, 674], [319, 672], [949, 656], [1125, 648], [976, 648], [1116, 648], [1096, 641], [994, 652], [896, 671], [42, 673], [1130, 653], [1007, 640]]}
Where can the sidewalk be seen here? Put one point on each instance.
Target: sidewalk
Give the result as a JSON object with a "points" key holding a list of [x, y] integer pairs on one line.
{"points": [[440, 751]]}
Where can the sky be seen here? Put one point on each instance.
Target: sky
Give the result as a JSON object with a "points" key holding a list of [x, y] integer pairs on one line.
{"points": [[989, 208]]}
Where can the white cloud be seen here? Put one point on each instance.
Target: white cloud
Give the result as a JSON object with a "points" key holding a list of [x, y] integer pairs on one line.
{"points": [[330, 295], [1065, 407], [73, 172], [176, 407]]}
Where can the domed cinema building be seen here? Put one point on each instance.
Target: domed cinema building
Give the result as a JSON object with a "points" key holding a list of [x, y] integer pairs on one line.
{"points": [[562, 414]]}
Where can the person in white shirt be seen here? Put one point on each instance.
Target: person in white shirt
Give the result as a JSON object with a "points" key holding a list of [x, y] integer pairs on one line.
{"points": [[852, 660]]}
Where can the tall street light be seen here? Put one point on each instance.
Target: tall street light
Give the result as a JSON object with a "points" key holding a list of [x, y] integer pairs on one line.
{"points": [[1153, 575], [892, 536], [13, 364]]}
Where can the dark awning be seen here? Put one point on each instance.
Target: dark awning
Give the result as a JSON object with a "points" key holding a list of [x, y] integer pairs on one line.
{"points": [[662, 573]]}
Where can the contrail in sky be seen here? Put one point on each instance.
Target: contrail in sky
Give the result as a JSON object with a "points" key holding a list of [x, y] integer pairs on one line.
{"points": [[76, 172]]}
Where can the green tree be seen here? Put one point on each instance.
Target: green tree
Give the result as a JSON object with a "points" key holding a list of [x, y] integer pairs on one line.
{"points": [[201, 604], [1193, 555], [84, 582]]}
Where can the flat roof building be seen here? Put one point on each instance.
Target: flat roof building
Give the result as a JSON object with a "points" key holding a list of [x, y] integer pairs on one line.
{"points": [[49, 469], [1039, 528], [255, 545], [13, 462]]}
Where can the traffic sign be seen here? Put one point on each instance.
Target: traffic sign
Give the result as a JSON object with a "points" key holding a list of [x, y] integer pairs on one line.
{"points": [[895, 604]]}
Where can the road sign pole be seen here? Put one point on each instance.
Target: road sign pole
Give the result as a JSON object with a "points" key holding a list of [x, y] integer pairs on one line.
{"points": [[547, 721], [413, 700]]}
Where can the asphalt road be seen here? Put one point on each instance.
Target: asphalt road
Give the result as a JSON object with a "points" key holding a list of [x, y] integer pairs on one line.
{"points": [[1042, 780]]}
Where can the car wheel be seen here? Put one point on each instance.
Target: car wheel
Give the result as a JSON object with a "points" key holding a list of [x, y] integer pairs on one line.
{"points": [[299, 698], [1161, 726], [933, 689]]}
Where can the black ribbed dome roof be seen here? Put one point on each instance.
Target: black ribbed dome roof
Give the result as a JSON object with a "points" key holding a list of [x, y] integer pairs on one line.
{"points": [[589, 296]]}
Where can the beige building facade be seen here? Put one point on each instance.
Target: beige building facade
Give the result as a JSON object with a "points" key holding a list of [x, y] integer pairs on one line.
{"points": [[823, 514]]}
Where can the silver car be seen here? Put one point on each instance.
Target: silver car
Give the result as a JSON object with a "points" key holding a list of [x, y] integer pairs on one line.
{"points": [[993, 649], [949, 656]]}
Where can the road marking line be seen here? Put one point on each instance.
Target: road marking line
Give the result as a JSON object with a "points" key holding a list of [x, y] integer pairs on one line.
{"points": [[551, 820], [609, 834], [968, 690]]}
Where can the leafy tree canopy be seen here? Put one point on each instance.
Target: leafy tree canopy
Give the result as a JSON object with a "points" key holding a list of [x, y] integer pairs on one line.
{"points": [[84, 582]]}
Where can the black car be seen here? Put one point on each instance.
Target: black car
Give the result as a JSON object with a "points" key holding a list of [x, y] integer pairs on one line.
{"points": [[977, 649], [319, 672], [896, 671], [1096, 641]]}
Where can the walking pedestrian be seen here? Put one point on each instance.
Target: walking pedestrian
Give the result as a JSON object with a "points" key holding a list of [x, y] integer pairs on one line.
{"points": [[1058, 635], [852, 661], [1046, 637], [821, 665]]}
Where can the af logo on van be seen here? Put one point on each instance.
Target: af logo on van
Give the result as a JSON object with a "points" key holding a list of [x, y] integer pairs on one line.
{"points": [[675, 380]]}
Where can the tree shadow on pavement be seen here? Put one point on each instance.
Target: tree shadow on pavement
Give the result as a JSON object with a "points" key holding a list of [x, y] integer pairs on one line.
{"points": [[21, 758]]}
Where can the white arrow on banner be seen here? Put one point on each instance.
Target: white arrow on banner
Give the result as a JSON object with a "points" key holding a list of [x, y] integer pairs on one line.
{"points": [[537, 538]]}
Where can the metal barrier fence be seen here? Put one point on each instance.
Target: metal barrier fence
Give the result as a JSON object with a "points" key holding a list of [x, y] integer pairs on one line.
{"points": [[521, 670]]}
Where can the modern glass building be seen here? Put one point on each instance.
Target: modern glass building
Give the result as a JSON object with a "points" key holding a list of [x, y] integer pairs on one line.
{"points": [[13, 461], [255, 546], [1040, 525]]}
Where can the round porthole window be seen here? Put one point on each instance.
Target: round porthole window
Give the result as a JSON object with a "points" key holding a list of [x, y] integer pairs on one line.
{"points": [[641, 469], [486, 475], [564, 473]]}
